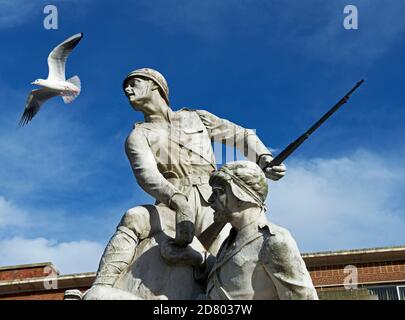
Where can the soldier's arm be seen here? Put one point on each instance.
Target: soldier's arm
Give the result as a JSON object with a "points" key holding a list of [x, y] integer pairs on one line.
{"points": [[227, 132], [284, 265], [145, 168]]}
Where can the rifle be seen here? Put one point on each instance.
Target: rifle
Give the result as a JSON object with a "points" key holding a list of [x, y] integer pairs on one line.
{"points": [[208, 236], [294, 145]]}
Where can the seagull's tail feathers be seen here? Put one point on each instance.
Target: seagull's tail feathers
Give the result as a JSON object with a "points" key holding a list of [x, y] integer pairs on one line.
{"points": [[75, 80]]}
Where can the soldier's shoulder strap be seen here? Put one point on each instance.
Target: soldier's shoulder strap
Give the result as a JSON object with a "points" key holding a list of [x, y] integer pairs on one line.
{"points": [[186, 109], [191, 116], [138, 124], [143, 125]]}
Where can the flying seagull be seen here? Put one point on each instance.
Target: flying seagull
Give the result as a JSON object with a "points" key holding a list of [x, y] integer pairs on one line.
{"points": [[56, 83]]}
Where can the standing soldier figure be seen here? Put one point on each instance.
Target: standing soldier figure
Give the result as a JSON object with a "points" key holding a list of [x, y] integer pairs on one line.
{"points": [[172, 158]]}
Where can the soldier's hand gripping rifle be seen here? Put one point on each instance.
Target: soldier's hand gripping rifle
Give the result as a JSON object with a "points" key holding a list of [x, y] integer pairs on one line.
{"points": [[208, 236]]}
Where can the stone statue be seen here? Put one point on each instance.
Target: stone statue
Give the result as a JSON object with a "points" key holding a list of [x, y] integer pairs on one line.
{"points": [[172, 158], [258, 260]]}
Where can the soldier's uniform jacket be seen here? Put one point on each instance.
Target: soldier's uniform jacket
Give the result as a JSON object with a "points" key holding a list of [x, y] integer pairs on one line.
{"points": [[261, 261], [176, 156]]}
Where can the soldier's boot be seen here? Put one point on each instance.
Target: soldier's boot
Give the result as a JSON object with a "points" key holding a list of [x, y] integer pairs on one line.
{"points": [[117, 256]]}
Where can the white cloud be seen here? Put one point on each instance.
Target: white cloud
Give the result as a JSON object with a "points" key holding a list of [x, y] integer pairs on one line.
{"points": [[37, 236], [11, 215], [346, 203], [68, 257]]}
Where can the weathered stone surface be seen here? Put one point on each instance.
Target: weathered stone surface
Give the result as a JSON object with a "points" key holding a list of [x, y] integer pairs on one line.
{"points": [[150, 277]]}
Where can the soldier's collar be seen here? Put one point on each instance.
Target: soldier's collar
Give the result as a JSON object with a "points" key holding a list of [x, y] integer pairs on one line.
{"points": [[262, 222], [157, 118], [256, 224], [154, 118], [249, 228]]}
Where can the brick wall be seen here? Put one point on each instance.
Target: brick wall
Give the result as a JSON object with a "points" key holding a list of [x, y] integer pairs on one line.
{"points": [[43, 295], [367, 272], [24, 273], [26, 282]]}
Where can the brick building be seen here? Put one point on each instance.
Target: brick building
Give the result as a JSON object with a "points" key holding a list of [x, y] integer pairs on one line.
{"points": [[350, 274], [377, 273]]}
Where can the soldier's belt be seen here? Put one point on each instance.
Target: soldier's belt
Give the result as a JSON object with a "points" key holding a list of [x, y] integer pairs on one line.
{"points": [[190, 181]]}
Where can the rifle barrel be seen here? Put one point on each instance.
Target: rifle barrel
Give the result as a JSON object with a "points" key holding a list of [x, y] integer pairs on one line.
{"points": [[294, 145]]}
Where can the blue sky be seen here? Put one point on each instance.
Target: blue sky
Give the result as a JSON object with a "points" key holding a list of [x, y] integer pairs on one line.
{"points": [[273, 66]]}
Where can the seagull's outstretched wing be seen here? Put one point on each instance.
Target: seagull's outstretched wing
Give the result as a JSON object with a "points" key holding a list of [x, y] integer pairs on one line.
{"points": [[34, 101], [58, 56]]}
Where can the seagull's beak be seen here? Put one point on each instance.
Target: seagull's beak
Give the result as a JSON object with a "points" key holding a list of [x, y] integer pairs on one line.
{"points": [[33, 82]]}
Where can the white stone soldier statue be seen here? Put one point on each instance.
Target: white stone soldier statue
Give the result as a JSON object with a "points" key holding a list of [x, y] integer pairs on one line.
{"points": [[172, 158], [259, 260]]}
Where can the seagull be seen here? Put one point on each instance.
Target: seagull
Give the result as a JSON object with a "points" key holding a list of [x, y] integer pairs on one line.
{"points": [[56, 83]]}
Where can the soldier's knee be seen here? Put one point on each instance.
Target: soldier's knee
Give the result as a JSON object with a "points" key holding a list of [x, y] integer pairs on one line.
{"points": [[137, 220], [130, 217]]}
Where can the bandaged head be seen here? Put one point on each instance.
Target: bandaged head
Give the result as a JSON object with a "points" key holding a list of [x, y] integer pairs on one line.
{"points": [[246, 179]]}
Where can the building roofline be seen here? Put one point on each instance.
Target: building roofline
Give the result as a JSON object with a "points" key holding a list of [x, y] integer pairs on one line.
{"points": [[354, 256], [355, 251], [29, 266], [364, 284], [80, 280]]}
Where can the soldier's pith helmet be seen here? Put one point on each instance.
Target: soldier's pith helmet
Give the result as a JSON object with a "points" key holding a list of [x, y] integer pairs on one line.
{"points": [[151, 74]]}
